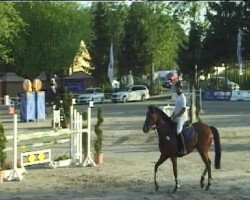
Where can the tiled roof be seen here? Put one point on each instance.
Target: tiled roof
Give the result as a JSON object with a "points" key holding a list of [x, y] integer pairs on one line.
{"points": [[78, 75], [11, 77]]}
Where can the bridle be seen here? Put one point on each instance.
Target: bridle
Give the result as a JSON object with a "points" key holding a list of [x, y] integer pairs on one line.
{"points": [[151, 124]]}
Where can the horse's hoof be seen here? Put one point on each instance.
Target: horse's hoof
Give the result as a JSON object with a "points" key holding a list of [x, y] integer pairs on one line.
{"points": [[208, 186], [175, 189], [202, 182], [156, 187]]}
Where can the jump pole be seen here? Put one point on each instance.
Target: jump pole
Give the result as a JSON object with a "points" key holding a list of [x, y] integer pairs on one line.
{"points": [[80, 139], [200, 97], [14, 174], [88, 161], [193, 105]]}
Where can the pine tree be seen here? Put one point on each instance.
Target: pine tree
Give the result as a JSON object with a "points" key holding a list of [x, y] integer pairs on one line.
{"points": [[82, 60], [3, 142]]}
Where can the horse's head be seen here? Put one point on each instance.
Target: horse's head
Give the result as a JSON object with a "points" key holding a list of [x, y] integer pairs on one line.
{"points": [[150, 121]]}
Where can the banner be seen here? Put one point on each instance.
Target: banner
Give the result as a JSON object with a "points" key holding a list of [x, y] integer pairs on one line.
{"points": [[216, 95], [111, 65]]}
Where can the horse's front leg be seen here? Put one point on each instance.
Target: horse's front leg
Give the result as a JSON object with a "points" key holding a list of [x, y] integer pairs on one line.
{"points": [[177, 182], [157, 164]]}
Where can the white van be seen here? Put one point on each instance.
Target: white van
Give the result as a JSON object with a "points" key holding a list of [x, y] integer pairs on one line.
{"points": [[131, 93]]}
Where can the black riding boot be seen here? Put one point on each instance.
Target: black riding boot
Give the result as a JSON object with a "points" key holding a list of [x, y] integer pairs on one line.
{"points": [[183, 150]]}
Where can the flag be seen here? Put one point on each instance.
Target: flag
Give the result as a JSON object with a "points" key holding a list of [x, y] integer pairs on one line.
{"points": [[111, 64], [239, 48]]}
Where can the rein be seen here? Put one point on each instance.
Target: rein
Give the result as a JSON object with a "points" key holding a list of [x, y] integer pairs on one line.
{"points": [[156, 133]]}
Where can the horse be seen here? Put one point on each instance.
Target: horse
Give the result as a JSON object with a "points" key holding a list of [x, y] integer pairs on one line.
{"points": [[199, 137]]}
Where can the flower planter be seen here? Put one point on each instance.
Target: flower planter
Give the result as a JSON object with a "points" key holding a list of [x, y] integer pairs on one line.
{"points": [[98, 157], [63, 163]]}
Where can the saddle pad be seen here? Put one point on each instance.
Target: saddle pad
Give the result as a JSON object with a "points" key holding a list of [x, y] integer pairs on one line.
{"points": [[188, 132]]}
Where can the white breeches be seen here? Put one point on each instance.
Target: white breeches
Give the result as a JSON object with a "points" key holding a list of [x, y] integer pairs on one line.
{"points": [[179, 121]]}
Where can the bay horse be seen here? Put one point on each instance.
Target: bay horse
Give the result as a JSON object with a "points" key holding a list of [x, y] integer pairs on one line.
{"points": [[200, 138]]}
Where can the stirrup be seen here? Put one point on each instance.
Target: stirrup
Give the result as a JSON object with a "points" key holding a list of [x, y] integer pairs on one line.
{"points": [[182, 153]]}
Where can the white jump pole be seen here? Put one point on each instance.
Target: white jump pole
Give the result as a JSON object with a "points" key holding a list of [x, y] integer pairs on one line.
{"points": [[71, 117], [71, 128], [77, 138], [14, 175], [6, 100], [201, 101], [193, 105], [74, 136], [80, 139], [88, 161]]}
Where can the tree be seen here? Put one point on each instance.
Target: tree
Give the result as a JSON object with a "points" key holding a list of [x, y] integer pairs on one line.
{"points": [[189, 57], [101, 42], [151, 38], [11, 24], [134, 54], [221, 37], [3, 142], [51, 38], [151, 41], [108, 21], [190, 53], [117, 16]]}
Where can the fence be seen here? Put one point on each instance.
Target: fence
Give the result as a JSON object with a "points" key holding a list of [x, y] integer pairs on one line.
{"points": [[75, 133]]}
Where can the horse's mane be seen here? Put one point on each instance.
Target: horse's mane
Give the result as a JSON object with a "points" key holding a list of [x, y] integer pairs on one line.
{"points": [[164, 116]]}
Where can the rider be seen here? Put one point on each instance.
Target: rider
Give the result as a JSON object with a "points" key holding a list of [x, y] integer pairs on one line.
{"points": [[180, 115]]}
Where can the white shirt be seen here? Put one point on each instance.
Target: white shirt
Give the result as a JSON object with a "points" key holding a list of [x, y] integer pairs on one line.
{"points": [[180, 103]]}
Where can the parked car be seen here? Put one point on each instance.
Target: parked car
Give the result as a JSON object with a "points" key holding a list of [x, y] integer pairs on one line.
{"points": [[91, 94], [166, 83], [170, 79], [173, 77], [220, 82], [131, 93]]}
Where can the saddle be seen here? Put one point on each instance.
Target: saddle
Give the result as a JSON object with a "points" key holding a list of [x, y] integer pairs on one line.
{"points": [[187, 124], [188, 130]]}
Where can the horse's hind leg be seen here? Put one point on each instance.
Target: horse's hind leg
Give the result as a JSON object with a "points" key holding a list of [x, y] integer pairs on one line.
{"points": [[207, 162], [203, 177], [209, 174], [157, 164]]}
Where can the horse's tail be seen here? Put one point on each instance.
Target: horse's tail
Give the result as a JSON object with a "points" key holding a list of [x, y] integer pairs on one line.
{"points": [[217, 147]]}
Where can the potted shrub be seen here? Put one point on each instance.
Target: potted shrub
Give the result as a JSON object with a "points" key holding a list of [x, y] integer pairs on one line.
{"points": [[67, 102], [3, 154], [99, 138]]}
